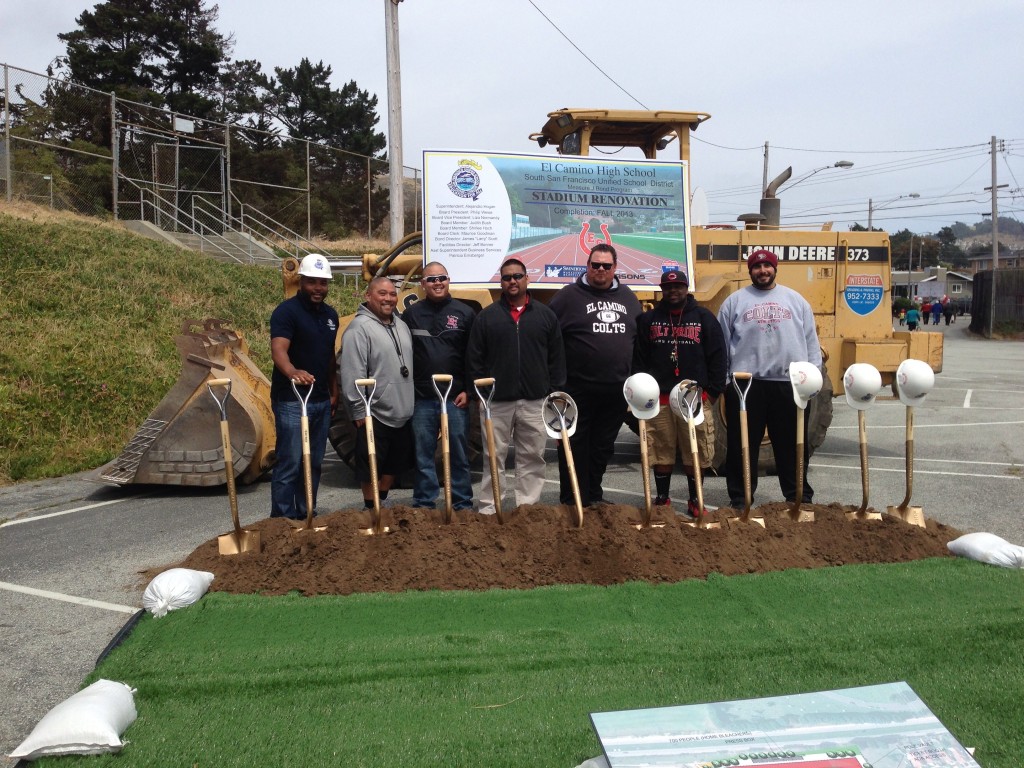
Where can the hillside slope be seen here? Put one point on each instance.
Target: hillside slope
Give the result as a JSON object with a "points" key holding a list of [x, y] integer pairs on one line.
{"points": [[89, 312]]}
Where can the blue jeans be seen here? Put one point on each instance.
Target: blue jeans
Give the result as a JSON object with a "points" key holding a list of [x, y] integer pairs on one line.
{"points": [[287, 486], [426, 424]]}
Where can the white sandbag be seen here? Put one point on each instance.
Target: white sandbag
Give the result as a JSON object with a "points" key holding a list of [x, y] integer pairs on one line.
{"points": [[988, 548], [89, 723], [173, 589], [595, 762]]}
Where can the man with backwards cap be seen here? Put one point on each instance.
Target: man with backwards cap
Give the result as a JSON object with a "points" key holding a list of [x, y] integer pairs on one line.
{"points": [[767, 326], [677, 340]]}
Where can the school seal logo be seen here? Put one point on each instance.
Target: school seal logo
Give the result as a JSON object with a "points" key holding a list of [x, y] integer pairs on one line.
{"points": [[466, 181]]}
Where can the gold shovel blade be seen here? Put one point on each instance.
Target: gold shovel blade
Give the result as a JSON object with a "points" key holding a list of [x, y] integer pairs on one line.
{"points": [[909, 515], [237, 542]]}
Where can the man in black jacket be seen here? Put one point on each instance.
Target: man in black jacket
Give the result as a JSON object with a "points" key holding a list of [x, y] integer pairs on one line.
{"points": [[598, 319], [677, 340], [517, 341], [440, 328]]}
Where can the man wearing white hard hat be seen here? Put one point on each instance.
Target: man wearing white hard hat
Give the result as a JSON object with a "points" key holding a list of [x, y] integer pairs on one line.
{"points": [[767, 326], [303, 330]]}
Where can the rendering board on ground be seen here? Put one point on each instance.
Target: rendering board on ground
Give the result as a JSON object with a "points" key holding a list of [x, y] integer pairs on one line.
{"points": [[550, 211], [876, 726]]}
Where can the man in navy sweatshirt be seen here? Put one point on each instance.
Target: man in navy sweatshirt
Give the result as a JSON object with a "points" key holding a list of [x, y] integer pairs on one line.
{"points": [[598, 319]]}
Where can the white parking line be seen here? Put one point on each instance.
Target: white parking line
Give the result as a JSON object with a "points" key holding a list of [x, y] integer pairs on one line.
{"points": [[967, 398], [918, 460], [933, 426], [67, 598], [70, 511], [916, 471]]}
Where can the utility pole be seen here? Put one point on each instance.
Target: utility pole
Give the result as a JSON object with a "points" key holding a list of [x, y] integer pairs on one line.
{"points": [[995, 240], [396, 182]]}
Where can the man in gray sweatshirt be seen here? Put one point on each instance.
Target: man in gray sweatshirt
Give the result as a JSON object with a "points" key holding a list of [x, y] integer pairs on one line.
{"points": [[767, 326], [378, 345]]}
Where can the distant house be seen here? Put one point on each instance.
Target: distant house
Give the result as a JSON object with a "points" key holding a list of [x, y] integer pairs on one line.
{"points": [[1007, 260], [933, 283]]}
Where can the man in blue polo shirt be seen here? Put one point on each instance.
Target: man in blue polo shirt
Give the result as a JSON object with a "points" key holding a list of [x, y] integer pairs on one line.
{"points": [[302, 335]]}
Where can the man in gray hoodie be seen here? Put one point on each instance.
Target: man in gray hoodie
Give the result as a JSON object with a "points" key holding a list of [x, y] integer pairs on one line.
{"points": [[378, 345], [767, 326]]}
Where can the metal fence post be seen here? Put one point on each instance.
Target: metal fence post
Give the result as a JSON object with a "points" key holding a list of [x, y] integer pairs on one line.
{"points": [[7, 132], [369, 188], [115, 153]]}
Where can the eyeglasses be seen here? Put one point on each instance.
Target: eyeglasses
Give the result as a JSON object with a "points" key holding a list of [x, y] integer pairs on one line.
{"points": [[517, 276], [596, 265], [436, 279]]}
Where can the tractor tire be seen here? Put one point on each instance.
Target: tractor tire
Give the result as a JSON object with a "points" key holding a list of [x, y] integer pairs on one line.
{"points": [[819, 419]]}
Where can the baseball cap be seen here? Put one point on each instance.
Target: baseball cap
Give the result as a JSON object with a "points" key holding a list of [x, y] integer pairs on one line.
{"points": [[674, 277], [762, 256]]}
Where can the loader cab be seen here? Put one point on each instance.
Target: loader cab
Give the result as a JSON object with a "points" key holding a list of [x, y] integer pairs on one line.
{"points": [[575, 131]]}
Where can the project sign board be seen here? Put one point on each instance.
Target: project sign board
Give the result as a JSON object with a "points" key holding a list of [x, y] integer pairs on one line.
{"points": [[481, 208], [881, 726]]}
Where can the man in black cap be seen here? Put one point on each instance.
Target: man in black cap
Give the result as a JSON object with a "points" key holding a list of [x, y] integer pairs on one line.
{"points": [[677, 340], [597, 315], [767, 326]]}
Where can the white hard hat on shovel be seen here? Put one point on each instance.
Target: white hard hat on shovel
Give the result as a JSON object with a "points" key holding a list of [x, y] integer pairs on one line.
{"points": [[914, 380], [642, 392], [861, 382], [684, 398], [559, 407], [806, 381]]}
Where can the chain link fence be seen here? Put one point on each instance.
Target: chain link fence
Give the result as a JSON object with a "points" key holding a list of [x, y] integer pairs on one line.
{"points": [[74, 148]]}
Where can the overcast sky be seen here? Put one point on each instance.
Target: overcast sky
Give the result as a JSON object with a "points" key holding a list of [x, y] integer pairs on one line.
{"points": [[910, 91]]}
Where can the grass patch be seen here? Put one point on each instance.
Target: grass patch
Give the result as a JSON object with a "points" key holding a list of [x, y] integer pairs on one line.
{"points": [[507, 678], [89, 313]]}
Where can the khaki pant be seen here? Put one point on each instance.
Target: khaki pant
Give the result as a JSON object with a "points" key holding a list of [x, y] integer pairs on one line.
{"points": [[667, 434], [519, 423]]}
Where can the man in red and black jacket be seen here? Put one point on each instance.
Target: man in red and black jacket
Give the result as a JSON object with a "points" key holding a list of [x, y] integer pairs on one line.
{"points": [[679, 339], [518, 342]]}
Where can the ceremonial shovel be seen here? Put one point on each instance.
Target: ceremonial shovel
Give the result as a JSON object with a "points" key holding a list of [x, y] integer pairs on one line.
{"points": [[806, 382], [307, 464], [741, 391], [238, 540], [489, 430], [914, 380], [445, 447], [861, 383], [561, 403], [690, 395], [371, 449]]}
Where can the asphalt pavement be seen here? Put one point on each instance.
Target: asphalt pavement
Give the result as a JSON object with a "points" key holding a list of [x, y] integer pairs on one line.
{"points": [[72, 551]]}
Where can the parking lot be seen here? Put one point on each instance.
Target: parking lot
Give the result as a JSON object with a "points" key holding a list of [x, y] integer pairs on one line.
{"points": [[71, 551]]}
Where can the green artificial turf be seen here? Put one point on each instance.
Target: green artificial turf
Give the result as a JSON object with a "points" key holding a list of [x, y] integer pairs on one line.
{"points": [[507, 678]]}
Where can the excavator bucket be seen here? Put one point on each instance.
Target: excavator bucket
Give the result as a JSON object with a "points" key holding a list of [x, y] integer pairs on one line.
{"points": [[180, 443]]}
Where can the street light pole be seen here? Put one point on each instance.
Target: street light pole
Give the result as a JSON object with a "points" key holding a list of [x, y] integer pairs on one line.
{"points": [[872, 207]]}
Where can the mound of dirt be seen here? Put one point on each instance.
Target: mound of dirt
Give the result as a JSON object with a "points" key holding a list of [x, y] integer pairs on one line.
{"points": [[541, 545]]}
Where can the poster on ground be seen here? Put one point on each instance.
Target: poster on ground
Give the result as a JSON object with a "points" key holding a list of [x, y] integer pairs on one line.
{"points": [[875, 726], [480, 208]]}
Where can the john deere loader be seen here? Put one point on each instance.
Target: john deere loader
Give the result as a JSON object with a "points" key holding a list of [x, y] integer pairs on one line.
{"points": [[179, 443]]}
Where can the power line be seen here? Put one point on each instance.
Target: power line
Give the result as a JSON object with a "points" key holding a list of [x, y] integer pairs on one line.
{"points": [[585, 56]]}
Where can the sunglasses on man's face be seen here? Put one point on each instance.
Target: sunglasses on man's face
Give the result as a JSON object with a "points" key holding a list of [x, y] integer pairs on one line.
{"points": [[517, 276], [598, 265], [436, 279]]}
